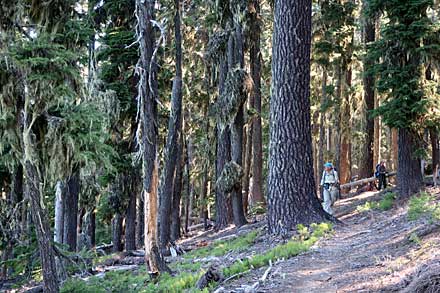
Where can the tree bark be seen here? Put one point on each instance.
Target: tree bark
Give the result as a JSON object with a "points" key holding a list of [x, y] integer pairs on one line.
{"points": [[322, 130], [153, 257], [377, 134], [140, 221], [190, 187], [433, 134], [367, 164], [409, 175], [117, 232], [257, 195], [42, 228], [291, 186], [71, 211], [174, 129], [345, 157], [130, 218], [237, 134], [148, 96], [59, 212], [223, 152], [177, 192], [247, 159]]}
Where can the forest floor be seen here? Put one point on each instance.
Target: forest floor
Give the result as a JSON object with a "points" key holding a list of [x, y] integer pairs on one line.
{"points": [[371, 251], [381, 245]]}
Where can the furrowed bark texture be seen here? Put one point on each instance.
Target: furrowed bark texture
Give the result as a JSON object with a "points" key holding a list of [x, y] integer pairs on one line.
{"points": [[257, 196], [174, 129], [409, 174], [291, 185], [367, 165]]}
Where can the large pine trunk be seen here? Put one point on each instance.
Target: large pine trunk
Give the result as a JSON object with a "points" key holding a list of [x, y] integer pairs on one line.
{"points": [[291, 186], [71, 211], [117, 232], [140, 221], [130, 217], [177, 192], [174, 129], [223, 152], [367, 164], [409, 174], [257, 195], [345, 157], [237, 131], [42, 228]]}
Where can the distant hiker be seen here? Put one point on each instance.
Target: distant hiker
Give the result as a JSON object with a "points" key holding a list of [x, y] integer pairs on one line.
{"points": [[381, 175], [330, 183]]}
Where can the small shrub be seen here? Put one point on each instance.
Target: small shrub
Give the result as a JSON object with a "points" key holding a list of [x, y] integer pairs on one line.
{"points": [[384, 204], [423, 206]]}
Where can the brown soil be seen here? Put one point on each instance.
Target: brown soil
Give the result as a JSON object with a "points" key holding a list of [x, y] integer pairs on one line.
{"points": [[370, 252]]}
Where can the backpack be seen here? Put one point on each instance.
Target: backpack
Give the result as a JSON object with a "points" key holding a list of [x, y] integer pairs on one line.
{"points": [[376, 174]]}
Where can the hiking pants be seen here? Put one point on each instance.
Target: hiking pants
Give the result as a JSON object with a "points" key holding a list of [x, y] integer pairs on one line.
{"points": [[330, 196], [382, 181]]}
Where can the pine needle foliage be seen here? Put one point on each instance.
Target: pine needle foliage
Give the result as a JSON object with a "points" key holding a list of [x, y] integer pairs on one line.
{"points": [[405, 46]]}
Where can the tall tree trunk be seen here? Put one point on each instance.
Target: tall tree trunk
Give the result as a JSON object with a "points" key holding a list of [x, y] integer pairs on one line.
{"points": [[71, 211], [140, 221], [223, 151], [257, 195], [433, 134], [247, 159], [42, 228], [377, 134], [345, 157], [338, 114], [237, 134], [174, 129], [322, 132], [92, 228], [177, 191], [117, 232], [130, 218], [367, 164], [204, 193], [291, 186], [189, 187], [394, 148], [59, 212], [409, 175], [148, 96]]}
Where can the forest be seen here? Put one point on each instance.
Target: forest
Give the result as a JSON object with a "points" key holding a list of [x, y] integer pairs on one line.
{"points": [[219, 146]]}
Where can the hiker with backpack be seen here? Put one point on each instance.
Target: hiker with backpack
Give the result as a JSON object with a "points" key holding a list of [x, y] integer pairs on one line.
{"points": [[381, 175], [330, 184]]}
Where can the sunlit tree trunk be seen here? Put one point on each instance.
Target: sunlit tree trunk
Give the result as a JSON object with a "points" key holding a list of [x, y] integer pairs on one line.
{"points": [[369, 35]]}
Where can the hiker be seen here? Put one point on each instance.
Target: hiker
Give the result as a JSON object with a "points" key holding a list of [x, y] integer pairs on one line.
{"points": [[381, 175], [329, 182]]}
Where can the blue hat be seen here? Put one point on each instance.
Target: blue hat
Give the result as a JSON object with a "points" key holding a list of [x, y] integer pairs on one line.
{"points": [[328, 165]]}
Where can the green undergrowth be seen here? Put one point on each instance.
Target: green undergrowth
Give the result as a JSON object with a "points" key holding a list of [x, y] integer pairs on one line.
{"points": [[219, 248], [385, 204], [189, 272], [424, 206]]}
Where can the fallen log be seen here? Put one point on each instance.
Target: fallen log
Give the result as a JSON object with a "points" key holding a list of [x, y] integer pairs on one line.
{"points": [[353, 184]]}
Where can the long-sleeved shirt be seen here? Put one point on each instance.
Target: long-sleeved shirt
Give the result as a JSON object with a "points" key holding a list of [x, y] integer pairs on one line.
{"points": [[330, 177]]}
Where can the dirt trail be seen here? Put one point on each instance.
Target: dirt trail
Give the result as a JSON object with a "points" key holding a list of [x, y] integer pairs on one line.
{"points": [[368, 253]]}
